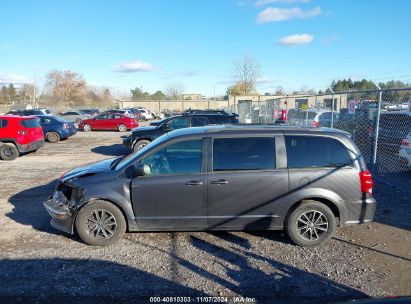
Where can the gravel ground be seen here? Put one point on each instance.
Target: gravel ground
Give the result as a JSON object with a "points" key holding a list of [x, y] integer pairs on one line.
{"points": [[39, 263]]}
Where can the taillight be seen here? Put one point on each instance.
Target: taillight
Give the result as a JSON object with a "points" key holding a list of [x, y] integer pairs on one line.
{"points": [[22, 132], [366, 182], [65, 126], [316, 124], [405, 142]]}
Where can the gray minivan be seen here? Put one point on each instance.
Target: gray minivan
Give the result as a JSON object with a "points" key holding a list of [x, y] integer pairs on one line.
{"points": [[304, 180]]}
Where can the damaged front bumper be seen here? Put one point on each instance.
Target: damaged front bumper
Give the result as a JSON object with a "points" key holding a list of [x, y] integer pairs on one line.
{"points": [[62, 213]]}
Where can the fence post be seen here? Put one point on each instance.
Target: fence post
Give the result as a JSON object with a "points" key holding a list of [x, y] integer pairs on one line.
{"points": [[377, 126], [332, 108], [286, 109]]}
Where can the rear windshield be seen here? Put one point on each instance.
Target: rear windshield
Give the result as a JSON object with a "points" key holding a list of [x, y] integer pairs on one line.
{"points": [[59, 119], [30, 123]]}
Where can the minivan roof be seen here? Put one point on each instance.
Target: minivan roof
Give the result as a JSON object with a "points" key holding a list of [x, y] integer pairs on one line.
{"points": [[239, 128]]}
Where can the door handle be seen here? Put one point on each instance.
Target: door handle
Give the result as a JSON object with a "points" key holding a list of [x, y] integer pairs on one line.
{"points": [[194, 183], [220, 182]]}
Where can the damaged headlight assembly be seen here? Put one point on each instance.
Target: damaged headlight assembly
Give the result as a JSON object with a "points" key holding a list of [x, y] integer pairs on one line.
{"points": [[64, 200]]}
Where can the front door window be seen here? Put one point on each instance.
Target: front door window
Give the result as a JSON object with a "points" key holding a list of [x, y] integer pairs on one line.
{"points": [[179, 158]]}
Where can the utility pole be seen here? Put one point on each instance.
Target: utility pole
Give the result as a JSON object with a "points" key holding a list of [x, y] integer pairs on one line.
{"points": [[34, 92]]}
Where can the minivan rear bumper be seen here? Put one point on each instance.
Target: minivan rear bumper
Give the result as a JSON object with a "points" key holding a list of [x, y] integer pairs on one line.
{"points": [[358, 212]]}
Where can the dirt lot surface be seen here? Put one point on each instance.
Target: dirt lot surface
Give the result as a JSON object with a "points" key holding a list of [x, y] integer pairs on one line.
{"points": [[37, 262]]}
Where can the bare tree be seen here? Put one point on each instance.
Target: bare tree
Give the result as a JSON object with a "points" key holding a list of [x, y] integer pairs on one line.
{"points": [[279, 90], [26, 93], [174, 90], [66, 87], [246, 72]]}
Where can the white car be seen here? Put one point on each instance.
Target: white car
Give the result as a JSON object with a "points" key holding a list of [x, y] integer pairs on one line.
{"points": [[405, 151], [146, 114], [391, 107]]}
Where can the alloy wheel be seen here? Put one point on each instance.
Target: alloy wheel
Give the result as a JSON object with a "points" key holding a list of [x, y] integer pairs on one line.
{"points": [[101, 224], [312, 225]]}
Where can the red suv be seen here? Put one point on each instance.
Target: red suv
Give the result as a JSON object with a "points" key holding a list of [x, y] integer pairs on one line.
{"points": [[19, 134], [109, 121]]}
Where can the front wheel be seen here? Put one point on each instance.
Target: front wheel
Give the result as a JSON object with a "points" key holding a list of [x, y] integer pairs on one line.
{"points": [[100, 223], [311, 224], [141, 144], [8, 152]]}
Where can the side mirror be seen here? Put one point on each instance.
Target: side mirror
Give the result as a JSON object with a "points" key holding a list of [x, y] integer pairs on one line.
{"points": [[137, 170]]}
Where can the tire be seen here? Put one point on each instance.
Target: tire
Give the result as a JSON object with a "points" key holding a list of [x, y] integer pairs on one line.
{"points": [[90, 233], [53, 137], [86, 128], [306, 235], [140, 144], [122, 128], [8, 152]]}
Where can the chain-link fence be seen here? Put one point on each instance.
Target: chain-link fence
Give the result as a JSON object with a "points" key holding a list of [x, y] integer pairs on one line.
{"points": [[379, 123]]}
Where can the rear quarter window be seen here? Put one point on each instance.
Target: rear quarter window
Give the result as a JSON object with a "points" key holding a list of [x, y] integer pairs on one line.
{"points": [[30, 123], [316, 152], [3, 123]]}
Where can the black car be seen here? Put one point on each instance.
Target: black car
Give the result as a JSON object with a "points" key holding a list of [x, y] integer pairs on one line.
{"points": [[141, 136], [233, 177]]}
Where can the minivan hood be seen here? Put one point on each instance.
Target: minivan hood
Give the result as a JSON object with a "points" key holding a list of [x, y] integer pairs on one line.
{"points": [[89, 169]]}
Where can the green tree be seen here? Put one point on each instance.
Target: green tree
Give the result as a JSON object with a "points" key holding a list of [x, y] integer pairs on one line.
{"points": [[12, 93], [138, 93], [158, 95], [4, 96]]}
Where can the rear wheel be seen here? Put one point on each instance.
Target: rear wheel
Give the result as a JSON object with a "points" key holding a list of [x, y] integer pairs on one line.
{"points": [[100, 223], [8, 152], [311, 224], [87, 128], [53, 137], [141, 144], [122, 128]]}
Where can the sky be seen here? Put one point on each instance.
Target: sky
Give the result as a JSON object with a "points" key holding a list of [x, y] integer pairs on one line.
{"points": [[152, 43]]}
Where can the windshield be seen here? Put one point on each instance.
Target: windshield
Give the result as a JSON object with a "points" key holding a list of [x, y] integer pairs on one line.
{"points": [[127, 160]]}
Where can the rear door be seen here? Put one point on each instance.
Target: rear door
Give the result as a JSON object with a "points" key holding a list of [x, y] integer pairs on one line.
{"points": [[247, 176], [45, 124]]}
